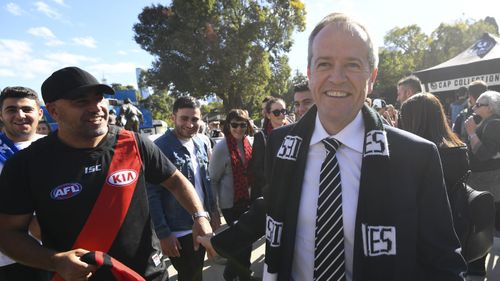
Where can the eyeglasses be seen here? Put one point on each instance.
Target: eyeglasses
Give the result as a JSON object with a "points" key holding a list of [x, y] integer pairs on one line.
{"points": [[277, 112], [480, 104], [236, 125]]}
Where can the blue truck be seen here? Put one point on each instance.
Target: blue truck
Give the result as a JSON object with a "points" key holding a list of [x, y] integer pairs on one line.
{"points": [[115, 102]]}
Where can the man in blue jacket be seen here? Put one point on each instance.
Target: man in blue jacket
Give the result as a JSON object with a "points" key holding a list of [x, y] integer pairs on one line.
{"points": [[171, 222]]}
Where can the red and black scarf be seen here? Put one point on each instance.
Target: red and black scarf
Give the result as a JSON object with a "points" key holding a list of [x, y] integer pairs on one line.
{"points": [[268, 128], [241, 172]]}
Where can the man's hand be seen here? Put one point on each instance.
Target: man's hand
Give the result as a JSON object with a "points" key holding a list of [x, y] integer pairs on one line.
{"points": [[205, 242], [70, 267], [470, 125], [201, 227], [171, 246], [391, 115]]}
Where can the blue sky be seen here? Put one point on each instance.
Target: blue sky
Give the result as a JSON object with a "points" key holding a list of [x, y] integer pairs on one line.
{"points": [[39, 37]]}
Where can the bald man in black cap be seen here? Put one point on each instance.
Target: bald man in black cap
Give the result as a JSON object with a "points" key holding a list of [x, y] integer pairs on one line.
{"points": [[86, 182]]}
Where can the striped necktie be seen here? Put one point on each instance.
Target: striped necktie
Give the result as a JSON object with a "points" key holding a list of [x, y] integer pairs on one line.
{"points": [[329, 261]]}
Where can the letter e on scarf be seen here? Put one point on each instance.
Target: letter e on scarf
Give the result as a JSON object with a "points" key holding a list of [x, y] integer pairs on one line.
{"points": [[376, 143], [379, 240]]}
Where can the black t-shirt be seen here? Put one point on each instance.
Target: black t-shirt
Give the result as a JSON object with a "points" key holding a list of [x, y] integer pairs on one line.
{"points": [[30, 176]]}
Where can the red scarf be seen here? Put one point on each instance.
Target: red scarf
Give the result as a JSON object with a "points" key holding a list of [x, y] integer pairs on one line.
{"points": [[241, 172], [268, 128]]}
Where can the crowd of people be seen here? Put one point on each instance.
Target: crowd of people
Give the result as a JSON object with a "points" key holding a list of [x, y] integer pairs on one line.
{"points": [[349, 188]]}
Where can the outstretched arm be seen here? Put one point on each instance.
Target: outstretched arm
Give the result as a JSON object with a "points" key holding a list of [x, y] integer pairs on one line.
{"points": [[249, 228], [185, 193]]}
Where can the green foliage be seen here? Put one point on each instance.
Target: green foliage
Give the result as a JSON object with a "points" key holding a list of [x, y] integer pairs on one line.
{"points": [[210, 107], [232, 48], [160, 104], [280, 73], [408, 49], [450, 40], [120, 87], [297, 78]]}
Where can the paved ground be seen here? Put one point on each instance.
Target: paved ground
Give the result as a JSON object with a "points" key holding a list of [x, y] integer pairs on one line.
{"points": [[213, 270]]}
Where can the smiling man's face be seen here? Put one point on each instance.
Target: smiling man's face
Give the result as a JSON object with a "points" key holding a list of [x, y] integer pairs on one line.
{"points": [[340, 77], [20, 117]]}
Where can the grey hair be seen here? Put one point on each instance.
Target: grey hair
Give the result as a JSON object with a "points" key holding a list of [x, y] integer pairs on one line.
{"points": [[493, 100], [347, 24]]}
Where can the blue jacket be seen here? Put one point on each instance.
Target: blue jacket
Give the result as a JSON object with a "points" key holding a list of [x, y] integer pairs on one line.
{"points": [[166, 212]]}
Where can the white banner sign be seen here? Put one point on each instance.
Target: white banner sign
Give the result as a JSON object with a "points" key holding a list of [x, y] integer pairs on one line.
{"points": [[454, 84]]}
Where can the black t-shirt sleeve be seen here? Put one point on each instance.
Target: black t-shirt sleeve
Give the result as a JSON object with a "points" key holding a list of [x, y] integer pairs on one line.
{"points": [[157, 166], [15, 198]]}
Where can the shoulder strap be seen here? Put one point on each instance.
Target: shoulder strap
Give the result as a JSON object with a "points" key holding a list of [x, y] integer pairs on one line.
{"points": [[112, 204], [110, 209]]}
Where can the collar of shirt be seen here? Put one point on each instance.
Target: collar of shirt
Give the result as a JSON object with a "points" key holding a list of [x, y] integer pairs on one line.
{"points": [[351, 136]]}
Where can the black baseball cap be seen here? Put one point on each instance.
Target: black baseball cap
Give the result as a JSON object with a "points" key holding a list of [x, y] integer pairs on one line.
{"points": [[71, 82]]}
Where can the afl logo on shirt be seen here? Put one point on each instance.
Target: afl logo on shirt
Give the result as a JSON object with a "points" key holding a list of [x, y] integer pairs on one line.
{"points": [[66, 191], [122, 177]]}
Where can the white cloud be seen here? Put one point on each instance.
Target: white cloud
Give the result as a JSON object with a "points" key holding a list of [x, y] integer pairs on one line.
{"points": [[7, 73], [115, 68], [121, 52], [60, 2], [47, 34], [12, 51], [14, 9], [65, 58], [85, 41], [22, 65], [16, 60], [47, 10], [42, 31], [122, 72]]}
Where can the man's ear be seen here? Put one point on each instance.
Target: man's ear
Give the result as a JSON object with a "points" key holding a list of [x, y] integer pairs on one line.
{"points": [[40, 114], [373, 77], [52, 109]]}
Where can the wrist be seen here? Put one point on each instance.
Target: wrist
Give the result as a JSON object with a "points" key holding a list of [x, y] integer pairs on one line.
{"points": [[201, 214], [472, 136]]}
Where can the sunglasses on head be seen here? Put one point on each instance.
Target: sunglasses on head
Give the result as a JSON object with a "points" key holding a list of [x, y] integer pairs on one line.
{"points": [[236, 125], [277, 112]]}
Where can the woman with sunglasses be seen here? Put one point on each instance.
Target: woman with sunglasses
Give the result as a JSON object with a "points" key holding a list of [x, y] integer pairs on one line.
{"points": [[231, 181], [275, 117], [484, 145], [423, 115]]}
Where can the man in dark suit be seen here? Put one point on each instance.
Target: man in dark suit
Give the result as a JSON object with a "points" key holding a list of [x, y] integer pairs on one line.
{"points": [[374, 193]]}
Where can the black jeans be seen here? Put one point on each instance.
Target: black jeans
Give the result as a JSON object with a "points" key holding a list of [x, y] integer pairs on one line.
{"points": [[239, 265], [189, 265]]}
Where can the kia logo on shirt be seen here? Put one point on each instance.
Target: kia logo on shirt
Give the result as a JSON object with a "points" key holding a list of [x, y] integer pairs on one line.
{"points": [[122, 177], [66, 191]]}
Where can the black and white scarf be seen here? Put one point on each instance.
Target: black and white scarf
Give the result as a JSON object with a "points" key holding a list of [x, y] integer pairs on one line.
{"points": [[287, 170]]}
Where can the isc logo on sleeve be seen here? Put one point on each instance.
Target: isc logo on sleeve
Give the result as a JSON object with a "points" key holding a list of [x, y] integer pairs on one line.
{"points": [[122, 178]]}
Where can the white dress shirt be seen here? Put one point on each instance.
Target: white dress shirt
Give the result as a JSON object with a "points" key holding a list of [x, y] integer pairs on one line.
{"points": [[349, 156]]}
